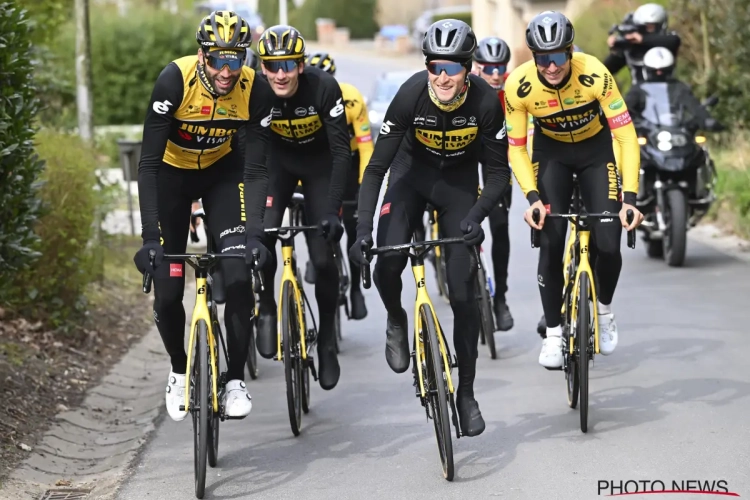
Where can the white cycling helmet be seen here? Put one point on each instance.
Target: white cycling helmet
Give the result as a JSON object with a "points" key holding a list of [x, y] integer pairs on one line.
{"points": [[651, 13], [658, 64]]}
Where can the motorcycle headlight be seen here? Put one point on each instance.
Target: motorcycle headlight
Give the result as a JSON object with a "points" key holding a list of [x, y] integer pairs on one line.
{"points": [[700, 139], [663, 136], [642, 141], [679, 140], [664, 146]]}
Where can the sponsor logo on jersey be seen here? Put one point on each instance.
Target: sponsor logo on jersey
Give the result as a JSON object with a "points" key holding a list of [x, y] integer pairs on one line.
{"points": [[297, 128], [452, 141]]}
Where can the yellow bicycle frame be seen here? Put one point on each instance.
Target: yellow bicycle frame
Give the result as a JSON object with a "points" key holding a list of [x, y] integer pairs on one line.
{"points": [[434, 234], [424, 299], [583, 267], [287, 274], [200, 312]]}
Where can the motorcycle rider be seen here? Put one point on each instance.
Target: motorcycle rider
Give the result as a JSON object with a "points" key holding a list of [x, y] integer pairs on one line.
{"points": [[644, 30], [658, 66], [490, 63]]}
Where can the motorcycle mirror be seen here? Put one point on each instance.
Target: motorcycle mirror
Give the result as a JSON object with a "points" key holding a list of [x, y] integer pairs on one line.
{"points": [[710, 101]]}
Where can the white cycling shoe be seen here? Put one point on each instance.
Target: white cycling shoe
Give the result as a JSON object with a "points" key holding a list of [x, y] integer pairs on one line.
{"points": [[607, 334], [175, 396], [237, 401], [551, 355]]}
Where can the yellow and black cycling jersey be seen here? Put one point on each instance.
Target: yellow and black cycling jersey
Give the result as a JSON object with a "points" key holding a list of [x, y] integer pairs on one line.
{"points": [[571, 112], [359, 125], [190, 128]]}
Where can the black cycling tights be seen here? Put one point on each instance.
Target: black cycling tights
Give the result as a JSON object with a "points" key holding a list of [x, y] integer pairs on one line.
{"points": [[600, 188], [453, 193], [350, 221], [500, 241], [315, 184], [220, 187]]}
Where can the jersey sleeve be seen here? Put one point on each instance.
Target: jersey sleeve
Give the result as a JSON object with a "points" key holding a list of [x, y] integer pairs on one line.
{"points": [[334, 117], [166, 98], [396, 122], [495, 155], [257, 137], [362, 132], [622, 128], [516, 121]]}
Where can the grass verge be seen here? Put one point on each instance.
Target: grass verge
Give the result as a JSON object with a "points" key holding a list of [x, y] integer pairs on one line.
{"points": [[731, 212]]}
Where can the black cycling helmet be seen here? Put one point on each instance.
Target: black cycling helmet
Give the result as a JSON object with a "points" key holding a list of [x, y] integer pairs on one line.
{"points": [[322, 60], [281, 42], [549, 31], [251, 60], [224, 29], [492, 50], [449, 39]]}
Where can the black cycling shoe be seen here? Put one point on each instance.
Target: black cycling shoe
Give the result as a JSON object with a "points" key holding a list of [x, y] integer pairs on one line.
{"points": [[309, 273], [359, 309], [469, 416], [329, 370], [503, 317], [266, 337], [541, 327], [397, 343]]}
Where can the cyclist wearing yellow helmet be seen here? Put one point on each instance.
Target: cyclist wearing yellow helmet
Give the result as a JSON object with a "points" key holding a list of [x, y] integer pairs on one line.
{"points": [[197, 105], [360, 138], [309, 143]]}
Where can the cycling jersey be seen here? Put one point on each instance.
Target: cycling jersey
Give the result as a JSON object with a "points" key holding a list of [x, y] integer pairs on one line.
{"points": [[570, 112], [312, 123], [437, 139], [189, 128], [360, 136]]}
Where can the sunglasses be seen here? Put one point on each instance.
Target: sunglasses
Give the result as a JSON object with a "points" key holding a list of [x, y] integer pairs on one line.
{"points": [[559, 58], [216, 61], [489, 69], [450, 68], [285, 65]]}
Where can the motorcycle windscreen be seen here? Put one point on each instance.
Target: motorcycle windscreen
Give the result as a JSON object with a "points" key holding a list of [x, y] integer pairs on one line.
{"points": [[662, 106]]}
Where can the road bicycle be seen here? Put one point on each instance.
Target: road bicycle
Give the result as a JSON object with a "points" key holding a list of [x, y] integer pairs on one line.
{"points": [[206, 385], [431, 358], [579, 316]]}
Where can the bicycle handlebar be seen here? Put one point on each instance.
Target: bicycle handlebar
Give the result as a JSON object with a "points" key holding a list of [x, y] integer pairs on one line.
{"points": [[368, 253], [536, 234], [148, 279]]}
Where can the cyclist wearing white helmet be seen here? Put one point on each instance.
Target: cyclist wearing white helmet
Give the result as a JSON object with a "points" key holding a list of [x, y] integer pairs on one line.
{"points": [[645, 29]]}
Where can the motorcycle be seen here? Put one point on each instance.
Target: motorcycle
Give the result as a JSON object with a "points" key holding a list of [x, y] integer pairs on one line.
{"points": [[677, 176]]}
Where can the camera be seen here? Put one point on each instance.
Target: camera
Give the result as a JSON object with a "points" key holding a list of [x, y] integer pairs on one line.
{"points": [[626, 27]]}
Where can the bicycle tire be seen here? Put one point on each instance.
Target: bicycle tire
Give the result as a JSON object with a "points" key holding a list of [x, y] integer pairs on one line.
{"points": [[214, 419], [292, 359], [486, 316], [438, 392], [583, 333], [200, 415], [305, 386], [571, 367]]}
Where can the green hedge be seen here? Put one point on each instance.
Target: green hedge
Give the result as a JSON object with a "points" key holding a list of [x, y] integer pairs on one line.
{"points": [[53, 288], [19, 166], [357, 15], [127, 55], [465, 17]]}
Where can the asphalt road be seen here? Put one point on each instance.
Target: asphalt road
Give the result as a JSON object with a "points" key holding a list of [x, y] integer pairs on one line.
{"points": [[670, 404]]}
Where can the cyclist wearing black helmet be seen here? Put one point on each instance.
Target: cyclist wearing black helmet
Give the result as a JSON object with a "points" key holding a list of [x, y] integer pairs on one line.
{"points": [[197, 105], [441, 118], [309, 144], [491, 62], [573, 99], [360, 137]]}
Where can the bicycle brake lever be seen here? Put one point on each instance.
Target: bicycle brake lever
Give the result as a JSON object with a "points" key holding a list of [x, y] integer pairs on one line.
{"points": [[256, 271], [631, 234], [535, 234], [146, 276], [366, 266]]}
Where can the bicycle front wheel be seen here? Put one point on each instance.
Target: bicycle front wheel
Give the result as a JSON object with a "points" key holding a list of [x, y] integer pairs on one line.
{"points": [[486, 317], [290, 335], [199, 402], [437, 389], [213, 416], [583, 332]]}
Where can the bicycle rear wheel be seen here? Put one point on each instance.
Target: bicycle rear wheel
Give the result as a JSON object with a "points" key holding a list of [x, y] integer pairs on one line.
{"points": [[292, 360], [252, 354], [486, 317], [436, 385], [199, 402], [583, 332]]}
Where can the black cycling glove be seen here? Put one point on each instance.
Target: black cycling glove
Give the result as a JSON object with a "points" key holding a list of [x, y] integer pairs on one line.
{"points": [[142, 258], [473, 232]]}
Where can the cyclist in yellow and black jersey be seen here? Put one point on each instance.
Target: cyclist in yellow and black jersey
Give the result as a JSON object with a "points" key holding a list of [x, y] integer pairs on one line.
{"points": [[198, 104], [576, 107], [360, 142]]}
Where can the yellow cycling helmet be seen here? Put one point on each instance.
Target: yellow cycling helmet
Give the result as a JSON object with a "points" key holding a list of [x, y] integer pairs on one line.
{"points": [[281, 42], [224, 29], [322, 60]]}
